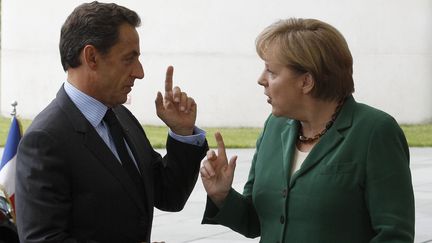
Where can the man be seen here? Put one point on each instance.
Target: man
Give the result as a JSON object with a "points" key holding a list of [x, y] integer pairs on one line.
{"points": [[85, 170]]}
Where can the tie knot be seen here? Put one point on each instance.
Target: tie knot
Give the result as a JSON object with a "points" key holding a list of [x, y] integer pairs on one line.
{"points": [[110, 117]]}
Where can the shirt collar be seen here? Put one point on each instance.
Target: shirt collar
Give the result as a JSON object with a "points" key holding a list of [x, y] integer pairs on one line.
{"points": [[92, 109]]}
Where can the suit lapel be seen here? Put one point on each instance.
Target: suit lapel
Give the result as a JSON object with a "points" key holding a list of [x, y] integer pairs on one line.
{"points": [[139, 150], [289, 138], [329, 141], [97, 146], [133, 140], [101, 151]]}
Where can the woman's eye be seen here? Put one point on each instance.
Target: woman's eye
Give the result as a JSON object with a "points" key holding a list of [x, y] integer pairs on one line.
{"points": [[272, 74]]}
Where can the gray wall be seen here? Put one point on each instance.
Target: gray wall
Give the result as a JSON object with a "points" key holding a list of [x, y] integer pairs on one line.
{"points": [[211, 45]]}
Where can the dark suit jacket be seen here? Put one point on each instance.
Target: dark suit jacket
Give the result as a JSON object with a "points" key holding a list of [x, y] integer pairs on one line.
{"points": [[70, 187], [354, 186]]}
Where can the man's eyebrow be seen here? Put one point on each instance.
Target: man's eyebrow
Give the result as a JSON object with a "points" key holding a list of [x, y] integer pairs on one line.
{"points": [[133, 54]]}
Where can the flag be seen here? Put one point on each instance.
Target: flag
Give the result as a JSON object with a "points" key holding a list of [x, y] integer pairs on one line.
{"points": [[8, 162]]}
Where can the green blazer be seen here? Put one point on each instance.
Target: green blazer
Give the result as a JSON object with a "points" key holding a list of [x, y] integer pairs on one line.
{"points": [[354, 186]]}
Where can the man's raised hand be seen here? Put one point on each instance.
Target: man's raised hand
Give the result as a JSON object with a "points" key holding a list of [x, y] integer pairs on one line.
{"points": [[175, 108]]}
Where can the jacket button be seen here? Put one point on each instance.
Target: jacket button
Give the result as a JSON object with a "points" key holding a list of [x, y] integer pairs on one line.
{"points": [[284, 193], [282, 219]]}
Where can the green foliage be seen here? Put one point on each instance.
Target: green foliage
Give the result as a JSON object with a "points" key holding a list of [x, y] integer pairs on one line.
{"points": [[243, 137], [5, 126], [157, 135], [419, 135], [233, 137]]}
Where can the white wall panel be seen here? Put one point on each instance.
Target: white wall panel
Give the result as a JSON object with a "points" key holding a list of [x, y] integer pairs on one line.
{"points": [[211, 45]]}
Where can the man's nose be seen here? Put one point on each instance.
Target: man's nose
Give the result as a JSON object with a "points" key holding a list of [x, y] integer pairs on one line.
{"points": [[138, 71]]}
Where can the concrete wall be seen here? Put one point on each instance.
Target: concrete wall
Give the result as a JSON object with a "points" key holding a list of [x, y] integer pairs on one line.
{"points": [[211, 45]]}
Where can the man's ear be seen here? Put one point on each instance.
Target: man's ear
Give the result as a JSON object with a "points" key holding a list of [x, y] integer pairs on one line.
{"points": [[88, 56], [308, 83]]}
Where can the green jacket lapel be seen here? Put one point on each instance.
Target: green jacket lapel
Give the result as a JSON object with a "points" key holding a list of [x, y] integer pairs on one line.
{"points": [[289, 138], [329, 141]]}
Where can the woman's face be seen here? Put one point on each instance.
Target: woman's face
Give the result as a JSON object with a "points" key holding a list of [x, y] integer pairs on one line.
{"points": [[284, 88]]}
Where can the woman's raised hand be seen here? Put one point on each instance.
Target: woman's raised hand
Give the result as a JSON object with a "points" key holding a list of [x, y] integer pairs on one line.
{"points": [[216, 173]]}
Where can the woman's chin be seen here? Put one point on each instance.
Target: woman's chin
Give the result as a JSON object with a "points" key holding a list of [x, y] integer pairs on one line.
{"points": [[276, 113]]}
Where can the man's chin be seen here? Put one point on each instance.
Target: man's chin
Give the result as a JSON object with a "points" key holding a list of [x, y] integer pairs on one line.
{"points": [[119, 101], [123, 101]]}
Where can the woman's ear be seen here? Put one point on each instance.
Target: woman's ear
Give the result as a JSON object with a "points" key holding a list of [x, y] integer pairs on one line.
{"points": [[308, 83], [89, 54]]}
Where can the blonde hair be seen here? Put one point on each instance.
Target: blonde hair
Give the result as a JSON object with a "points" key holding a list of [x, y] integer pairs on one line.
{"points": [[311, 46]]}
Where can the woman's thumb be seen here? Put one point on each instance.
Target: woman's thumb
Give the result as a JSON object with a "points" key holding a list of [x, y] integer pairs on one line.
{"points": [[232, 164]]}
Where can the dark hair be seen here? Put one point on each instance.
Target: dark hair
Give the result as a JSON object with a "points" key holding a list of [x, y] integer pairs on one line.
{"points": [[94, 24], [313, 46]]}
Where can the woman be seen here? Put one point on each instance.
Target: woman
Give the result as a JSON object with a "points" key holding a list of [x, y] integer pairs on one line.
{"points": [[326, 168]]}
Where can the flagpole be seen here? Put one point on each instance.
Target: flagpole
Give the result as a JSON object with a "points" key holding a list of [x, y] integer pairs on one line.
{"points": [[14, 105], [14, 114]]}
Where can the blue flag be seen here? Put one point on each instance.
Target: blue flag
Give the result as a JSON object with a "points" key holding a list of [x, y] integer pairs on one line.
{"points": [[8, 162]]}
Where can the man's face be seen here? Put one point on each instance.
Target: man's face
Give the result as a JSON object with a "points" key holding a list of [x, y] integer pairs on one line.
{"points": [[118, 69]]}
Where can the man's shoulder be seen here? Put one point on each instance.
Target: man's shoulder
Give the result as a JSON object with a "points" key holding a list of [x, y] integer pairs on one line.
{"points": [[51, 119]]}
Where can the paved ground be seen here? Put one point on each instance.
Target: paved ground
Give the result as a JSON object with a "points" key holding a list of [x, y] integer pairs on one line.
{"points": [[185, 226]]}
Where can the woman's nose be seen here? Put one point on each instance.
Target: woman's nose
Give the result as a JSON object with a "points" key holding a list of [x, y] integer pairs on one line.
{"points": [[262, 80]]}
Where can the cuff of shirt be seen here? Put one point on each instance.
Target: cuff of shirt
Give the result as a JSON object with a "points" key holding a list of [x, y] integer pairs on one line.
{"points": [[198, 137]]}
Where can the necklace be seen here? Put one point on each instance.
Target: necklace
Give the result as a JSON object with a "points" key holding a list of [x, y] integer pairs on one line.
{"points": [[308, 140]]}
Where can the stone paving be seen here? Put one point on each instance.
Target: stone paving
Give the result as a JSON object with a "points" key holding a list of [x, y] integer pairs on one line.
{"points": [[185, 226]]}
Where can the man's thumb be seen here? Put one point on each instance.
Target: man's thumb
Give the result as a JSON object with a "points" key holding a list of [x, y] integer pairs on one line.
{"points": [[159, 102]]}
